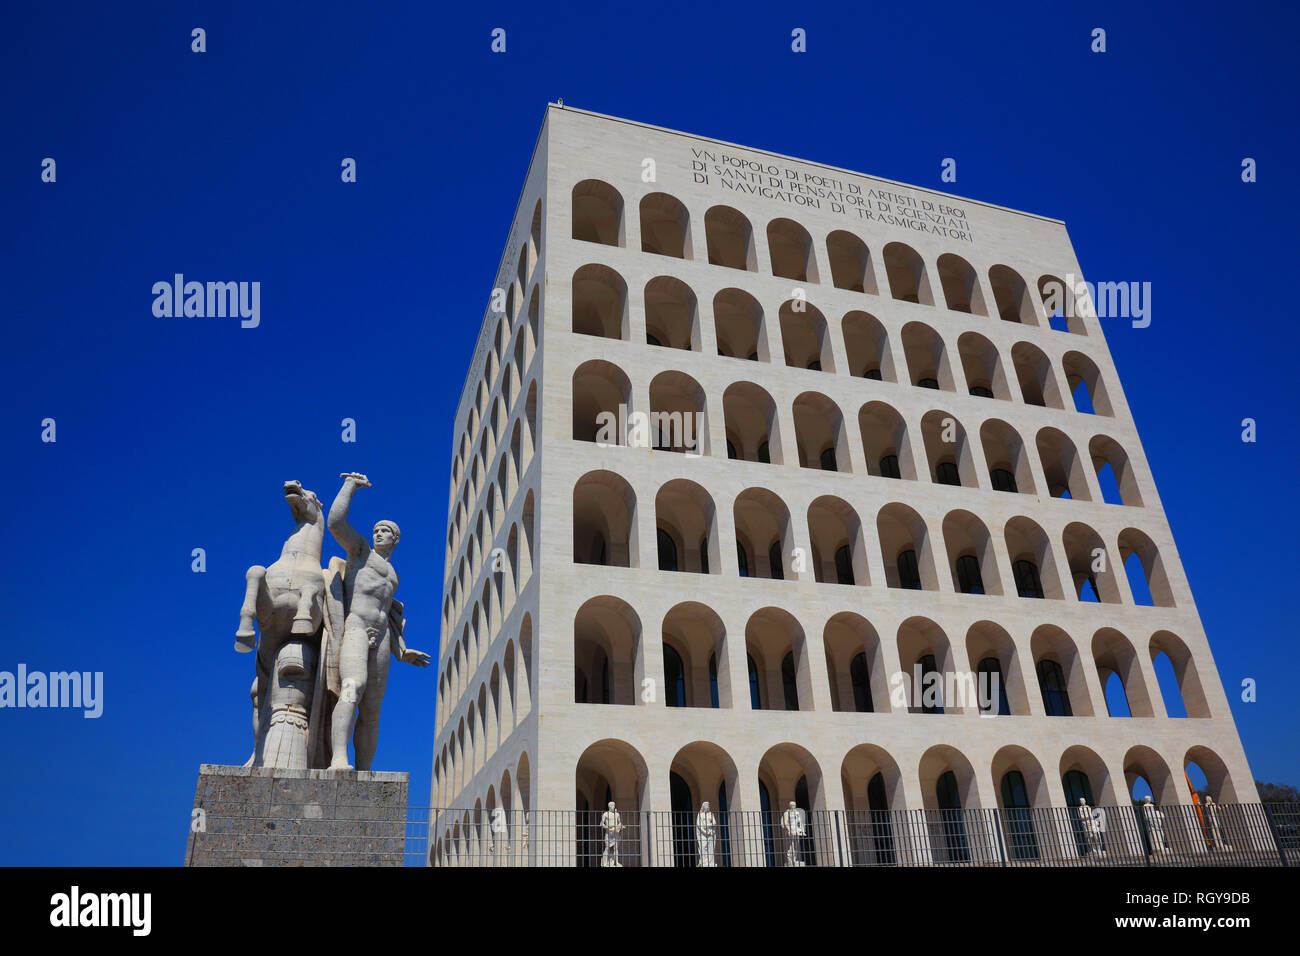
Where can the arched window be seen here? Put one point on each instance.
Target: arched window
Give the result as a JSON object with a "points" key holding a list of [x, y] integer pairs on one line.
{"points": [[945, 473], [828, 459], [683, 824], [1056, 696], [713, 682], [704, 555], [844, 565], [909, 573], [742, 559], [860, 677], [928, 382], [1003, 480], [889, 467], [882, 834], [981, 391], [931, 703], [952, 827], [874, 375], [765, 453], [724, 830], [969, 580], [1020, 825], [1076, 785], [754, 699], [674, 679], [789, 686], [667, 551], [1028, 583], [990, 676], [769, 823], [774, 559]]}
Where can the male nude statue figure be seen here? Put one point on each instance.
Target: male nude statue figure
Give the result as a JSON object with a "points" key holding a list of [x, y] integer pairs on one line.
{"points": [[368, 639]]}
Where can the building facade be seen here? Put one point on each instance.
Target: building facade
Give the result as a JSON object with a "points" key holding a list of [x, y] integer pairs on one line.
{"points": [[909, 453]]}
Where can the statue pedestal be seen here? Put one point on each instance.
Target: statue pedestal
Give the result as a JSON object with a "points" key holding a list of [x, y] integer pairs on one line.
{"points": [[265, 816]]}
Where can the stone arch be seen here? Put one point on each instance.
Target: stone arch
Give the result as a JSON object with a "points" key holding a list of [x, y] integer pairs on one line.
{"points": [[604, 520], [850, 262], [819, 432], [961, 286], [753, 430], [763, 532], [846, 637], [665, 226], [885, 443], [597, 213], [866, 347], [698, 636], [672, 314], [608, 655], [685, 512], [730, 239], [600, 302], [839, 553], [791, 251], [775, 643], [900, 530], [599, 388], [906, 272]]}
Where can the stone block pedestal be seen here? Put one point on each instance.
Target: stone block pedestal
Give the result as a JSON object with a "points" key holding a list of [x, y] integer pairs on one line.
{"points": [[263, 816]]}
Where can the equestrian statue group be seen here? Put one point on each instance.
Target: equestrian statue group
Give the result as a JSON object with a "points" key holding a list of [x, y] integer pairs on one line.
{"points": [[323, 638]]}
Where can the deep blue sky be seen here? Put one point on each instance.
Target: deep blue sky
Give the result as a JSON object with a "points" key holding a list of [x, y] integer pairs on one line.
{"points": [[176, 434]]}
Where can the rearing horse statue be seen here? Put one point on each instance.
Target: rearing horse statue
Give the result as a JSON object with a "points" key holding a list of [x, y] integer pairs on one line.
{"points": [[286, 603]]}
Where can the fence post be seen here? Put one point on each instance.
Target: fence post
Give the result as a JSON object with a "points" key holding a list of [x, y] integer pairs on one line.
{"points": [[997, 829], [1277, 839], [839, 847]]}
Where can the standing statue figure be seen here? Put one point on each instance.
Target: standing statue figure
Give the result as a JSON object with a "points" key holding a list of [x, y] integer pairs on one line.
{"points": [[612, 824], [1155, 821], [1091, 821], [706, 826], [364, 627], [1212, 823], [285, 601], [792, 822]]}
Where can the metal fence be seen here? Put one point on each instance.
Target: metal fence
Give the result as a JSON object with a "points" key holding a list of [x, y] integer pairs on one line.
{"points": [[288, 834], [1227, 835]]}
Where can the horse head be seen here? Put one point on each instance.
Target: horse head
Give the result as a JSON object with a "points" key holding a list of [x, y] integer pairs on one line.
{"points": [[303, 504]]}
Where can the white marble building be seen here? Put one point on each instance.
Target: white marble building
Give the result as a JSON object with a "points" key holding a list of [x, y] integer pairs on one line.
{"points": [[895, 469]]}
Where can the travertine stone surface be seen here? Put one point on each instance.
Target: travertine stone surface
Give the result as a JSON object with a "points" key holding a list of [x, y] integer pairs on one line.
{"points": [[266, 816]]}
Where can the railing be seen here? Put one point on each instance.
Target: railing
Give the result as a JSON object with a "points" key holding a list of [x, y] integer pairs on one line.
{"points": [[1249, 834], [1228, 835]]}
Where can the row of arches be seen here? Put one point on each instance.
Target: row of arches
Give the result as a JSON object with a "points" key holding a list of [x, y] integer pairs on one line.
{"points": [[512, 289], [1024, 562], [511, 571], [860, 672], [503, 549], [731, 241], [514, 414], [874, 788], [605, 411], [740, 328], [501, 702]]}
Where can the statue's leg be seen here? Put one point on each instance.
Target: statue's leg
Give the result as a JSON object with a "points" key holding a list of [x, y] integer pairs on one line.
{"points": [[352, 676], [365, 739], [254, 594], [257, 723], [311, 597]]}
